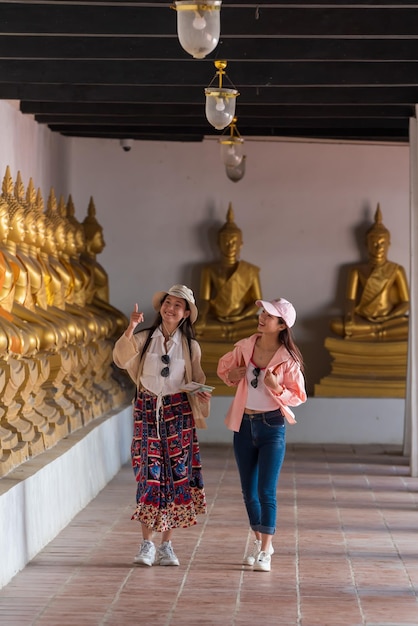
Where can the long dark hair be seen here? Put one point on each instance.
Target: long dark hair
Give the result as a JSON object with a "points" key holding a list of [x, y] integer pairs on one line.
{"points": [[186, 328], [286, 338]]}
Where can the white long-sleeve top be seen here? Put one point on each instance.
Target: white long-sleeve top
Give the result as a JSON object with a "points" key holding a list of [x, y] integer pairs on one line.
{"points": [[146, 372]]}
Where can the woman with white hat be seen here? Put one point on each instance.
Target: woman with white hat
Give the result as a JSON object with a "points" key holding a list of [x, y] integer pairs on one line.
{"points": [[165, 451], [267, 369]]}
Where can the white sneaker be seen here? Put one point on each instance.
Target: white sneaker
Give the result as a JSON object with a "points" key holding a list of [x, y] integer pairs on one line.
{"points": [[263, 562], [251, 558], [146, 554], [165, 555]]}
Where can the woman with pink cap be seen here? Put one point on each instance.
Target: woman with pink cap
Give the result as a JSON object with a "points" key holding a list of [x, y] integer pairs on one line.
{"points": [[267, 370], [161, 360]]}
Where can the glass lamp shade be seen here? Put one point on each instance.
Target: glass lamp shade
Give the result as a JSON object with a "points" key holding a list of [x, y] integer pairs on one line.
{"points": [[236, 173], [232, 149], [198, 26], [220, 106]]}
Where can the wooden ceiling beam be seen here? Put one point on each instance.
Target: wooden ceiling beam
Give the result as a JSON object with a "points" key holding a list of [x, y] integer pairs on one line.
{"points": [[251, 128], [187, 111], [19, 47], [267, 19], [189, 74], [370, 94]]}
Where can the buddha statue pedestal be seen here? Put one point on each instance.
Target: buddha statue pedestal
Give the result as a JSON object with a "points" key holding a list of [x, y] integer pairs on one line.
{"points": [[365, 369]]}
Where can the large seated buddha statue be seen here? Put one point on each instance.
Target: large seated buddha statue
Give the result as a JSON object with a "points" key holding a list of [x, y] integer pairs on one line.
{"points": [[229, 288], [377, 301], [370, 357]]}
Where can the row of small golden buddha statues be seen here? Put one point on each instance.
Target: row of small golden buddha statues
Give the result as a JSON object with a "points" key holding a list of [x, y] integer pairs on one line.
{"points": [[57, 327]]}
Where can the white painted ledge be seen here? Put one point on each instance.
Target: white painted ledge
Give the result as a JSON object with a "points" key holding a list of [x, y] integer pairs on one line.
{"points": [[39, 498]]}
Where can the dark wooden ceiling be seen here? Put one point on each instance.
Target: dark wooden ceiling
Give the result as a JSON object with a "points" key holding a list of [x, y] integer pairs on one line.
{"points": [[341, 70]]}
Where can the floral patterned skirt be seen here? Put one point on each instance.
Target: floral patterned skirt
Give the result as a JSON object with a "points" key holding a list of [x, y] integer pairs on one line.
{"points": [[166, 463]]}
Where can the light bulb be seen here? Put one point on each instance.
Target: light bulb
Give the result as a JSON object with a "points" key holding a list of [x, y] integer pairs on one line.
{"points": [[199, 22], [233, 159], [232, 151], [236, 173], [220, 104]]}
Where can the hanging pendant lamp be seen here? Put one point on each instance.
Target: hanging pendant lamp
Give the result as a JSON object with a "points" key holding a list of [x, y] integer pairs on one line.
{"points": [[220, 101], [198, 26]]}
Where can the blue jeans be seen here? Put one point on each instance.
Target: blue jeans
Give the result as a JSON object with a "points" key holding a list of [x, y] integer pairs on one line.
{"points": [[259, 449]]}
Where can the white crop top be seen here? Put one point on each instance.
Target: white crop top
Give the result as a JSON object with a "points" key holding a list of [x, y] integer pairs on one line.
{"points": [[259, 398]]}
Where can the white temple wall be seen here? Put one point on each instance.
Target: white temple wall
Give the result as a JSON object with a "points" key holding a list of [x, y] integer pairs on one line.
{"points": [[303, 208], [33, 150]]}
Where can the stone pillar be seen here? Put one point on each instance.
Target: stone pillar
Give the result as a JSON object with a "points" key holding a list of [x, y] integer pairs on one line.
{"points": [[411, 403]]}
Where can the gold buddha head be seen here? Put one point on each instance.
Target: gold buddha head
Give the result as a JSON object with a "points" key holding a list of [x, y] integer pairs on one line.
{"points": [[50, 245], [378, 238], [93, 231], [80, 239], [31, 230], [56, 221], [17, 222], [29, 209], [230, 237], [70, 247]]}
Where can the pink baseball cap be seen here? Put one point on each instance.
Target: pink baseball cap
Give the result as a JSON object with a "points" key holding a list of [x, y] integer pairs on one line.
{"points": [[279, 308]]}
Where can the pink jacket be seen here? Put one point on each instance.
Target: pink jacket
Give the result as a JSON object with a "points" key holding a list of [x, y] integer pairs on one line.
{"points": [[284, 365]]}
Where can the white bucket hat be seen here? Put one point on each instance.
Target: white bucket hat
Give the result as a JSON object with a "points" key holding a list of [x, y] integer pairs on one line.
{"points": [[279, 308], [179, 291]]}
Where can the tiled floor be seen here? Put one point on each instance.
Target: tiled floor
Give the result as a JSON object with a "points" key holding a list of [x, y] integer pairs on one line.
{"points": [[346, 553]]}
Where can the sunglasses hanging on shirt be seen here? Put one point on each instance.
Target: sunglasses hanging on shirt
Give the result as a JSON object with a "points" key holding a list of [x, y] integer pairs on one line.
{"points": [[166, 370], [254, 382]]}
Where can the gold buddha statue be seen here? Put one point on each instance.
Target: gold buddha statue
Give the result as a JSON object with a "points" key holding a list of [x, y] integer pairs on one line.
{"points": [[99, 294], [68, 255], [228, 290], [29, 279], [16, 296], [52, 286], [369, 357], [79, 249], [27, 252], [95, 244], [55, 232], [12, 340], [84, 293], [377, 297], [59, 241], [51, 228]]}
